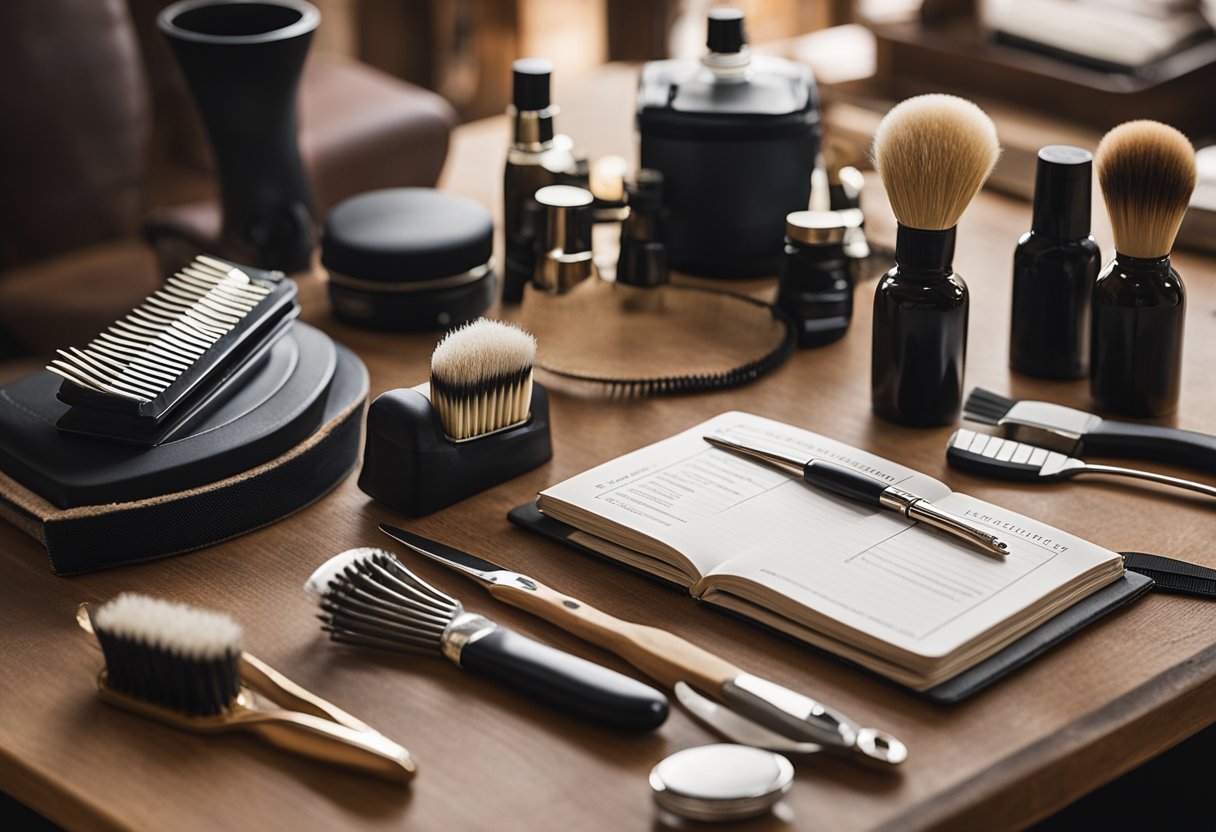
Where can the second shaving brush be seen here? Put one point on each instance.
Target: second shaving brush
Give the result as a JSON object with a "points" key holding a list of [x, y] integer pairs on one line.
{"points": [[479, 422], [1147, 173], [933, 153]]}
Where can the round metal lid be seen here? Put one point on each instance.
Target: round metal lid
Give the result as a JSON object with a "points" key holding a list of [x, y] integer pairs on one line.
{"points": [[721, 782]]}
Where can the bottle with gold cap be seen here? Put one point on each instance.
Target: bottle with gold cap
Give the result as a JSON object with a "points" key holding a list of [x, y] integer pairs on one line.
{"points": [[816, 289]]}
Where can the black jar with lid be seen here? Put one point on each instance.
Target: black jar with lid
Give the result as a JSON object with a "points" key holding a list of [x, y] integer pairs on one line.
{"points": [[735, 137], [816, 286], [409, 259]]}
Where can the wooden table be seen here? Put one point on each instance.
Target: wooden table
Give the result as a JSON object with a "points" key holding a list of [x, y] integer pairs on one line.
{"points": [[1089, 710]]}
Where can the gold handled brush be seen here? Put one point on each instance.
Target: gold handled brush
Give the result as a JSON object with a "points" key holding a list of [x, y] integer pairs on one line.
{"points": [[184, 666]]}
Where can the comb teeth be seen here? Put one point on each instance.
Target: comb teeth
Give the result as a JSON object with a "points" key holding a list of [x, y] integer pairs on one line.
{"points": [[140, 355], [376, 602], [986, 407], [1002, 450]]}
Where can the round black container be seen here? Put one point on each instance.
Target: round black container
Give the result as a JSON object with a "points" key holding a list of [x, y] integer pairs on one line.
{"points": [[242, 62], [735, 137], [816, 288], [408, 259]]}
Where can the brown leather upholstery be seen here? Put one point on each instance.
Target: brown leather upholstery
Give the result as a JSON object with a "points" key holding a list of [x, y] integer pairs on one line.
{"points": [[73, 173], [62, 301], [76, 124], [361, 128]]}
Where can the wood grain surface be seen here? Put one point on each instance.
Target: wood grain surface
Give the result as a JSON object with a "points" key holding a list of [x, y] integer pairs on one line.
{"points": [[1090, 709]]}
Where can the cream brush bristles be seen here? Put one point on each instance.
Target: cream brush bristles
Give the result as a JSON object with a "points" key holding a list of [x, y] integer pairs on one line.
{"points": [[1147, 173], [933, 153], [481, 378]]}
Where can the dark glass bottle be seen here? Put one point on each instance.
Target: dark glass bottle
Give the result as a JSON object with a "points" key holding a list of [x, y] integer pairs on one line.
{"points": [[816, 289], [536, 158], [643, 258], [920, 332], [1054, 268], [1139, 306]]}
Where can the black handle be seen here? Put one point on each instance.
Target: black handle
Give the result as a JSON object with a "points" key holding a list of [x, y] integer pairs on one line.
{"points": [[844, 481], [572, 684], [989, 467], [1187, 448]]}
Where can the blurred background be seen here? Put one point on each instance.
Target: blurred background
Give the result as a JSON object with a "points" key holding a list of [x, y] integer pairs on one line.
{"points": [[104, 158]]}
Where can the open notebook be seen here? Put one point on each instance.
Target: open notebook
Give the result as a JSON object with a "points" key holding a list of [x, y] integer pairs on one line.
{"points": [[909, 603]]}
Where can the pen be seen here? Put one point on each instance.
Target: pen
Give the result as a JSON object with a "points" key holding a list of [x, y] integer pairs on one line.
{"points": [[866, 489]]}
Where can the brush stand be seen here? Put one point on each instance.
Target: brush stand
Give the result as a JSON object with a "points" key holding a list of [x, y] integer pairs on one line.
{"points": [[411, 466]]}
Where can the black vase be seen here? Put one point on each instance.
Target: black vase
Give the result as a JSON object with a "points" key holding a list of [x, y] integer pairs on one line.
{"points": [[242, 62]]}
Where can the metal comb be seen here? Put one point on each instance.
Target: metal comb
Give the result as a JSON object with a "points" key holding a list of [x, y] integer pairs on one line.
{"points": [[147, 373], [1007, 459]]}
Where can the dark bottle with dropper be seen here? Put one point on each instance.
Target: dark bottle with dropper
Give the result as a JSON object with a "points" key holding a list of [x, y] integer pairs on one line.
{"points": [[1054, 269], [536, 158], [920, 332]]}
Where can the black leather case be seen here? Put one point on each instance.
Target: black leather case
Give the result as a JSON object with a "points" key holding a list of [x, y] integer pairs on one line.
{"points": [[968, 683]]}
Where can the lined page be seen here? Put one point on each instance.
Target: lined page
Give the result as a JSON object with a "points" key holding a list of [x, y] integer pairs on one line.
{"points": [[675, 490], [869, 569]]}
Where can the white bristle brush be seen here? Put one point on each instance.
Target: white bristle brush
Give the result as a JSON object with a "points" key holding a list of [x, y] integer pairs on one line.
{"points": [[933, 154], [184, 666], [481, 378]]}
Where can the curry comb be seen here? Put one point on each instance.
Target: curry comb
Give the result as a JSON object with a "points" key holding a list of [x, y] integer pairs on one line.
{"points": [[189, 344]]}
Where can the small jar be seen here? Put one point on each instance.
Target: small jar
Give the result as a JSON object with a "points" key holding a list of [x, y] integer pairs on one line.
{"points": [[409, 259], [816, 287]]}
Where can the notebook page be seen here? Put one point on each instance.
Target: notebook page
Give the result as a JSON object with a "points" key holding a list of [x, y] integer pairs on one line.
{"points": [[908, 586], [682, 490]]}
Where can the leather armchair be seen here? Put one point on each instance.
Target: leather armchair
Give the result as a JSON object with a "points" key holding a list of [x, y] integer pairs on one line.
{"points": [[102, 153]]}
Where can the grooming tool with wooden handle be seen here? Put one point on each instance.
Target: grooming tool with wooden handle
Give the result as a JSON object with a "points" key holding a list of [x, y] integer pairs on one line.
{"points": [[370, 599], [866, 489], [1010, 460], [184, 666], [669, 659], [148, 374], [1071, 431]]}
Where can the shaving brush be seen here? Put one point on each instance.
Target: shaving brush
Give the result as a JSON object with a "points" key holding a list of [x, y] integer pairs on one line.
{"points": [[1147, 173], [481, 420], [933, 154]]}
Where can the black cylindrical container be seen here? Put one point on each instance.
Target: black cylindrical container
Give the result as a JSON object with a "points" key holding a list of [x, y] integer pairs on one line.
{"points": [[816, 289], [920, 332], [1139, 307], [408, 259], [643, 259], [242, 62], [1054, 268], [735, 137]]}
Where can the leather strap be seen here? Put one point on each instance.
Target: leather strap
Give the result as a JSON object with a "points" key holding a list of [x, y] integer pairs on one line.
{"points": [[1170, 575]]}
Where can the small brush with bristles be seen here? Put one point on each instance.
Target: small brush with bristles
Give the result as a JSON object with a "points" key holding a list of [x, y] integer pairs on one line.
{"points": [[368, 598], [184, 666], [1147, 172], [481, 378], [933, 154]]}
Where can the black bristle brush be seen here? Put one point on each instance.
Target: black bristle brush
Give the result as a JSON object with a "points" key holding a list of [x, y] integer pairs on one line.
{"points": [[185, 667]]}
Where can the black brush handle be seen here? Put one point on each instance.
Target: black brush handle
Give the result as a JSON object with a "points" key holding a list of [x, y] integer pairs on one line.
{"points": [[1187, 448], [572, 684], [844, 481]]}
